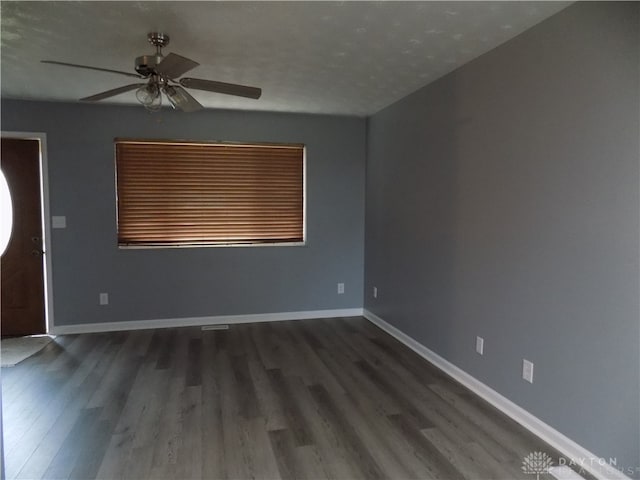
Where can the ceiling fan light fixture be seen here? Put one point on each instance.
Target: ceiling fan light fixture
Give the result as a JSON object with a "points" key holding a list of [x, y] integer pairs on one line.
{"points": [[149, 95], [176, 97]]}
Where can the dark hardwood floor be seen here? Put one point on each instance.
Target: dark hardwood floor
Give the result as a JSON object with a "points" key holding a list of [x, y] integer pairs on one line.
{"points": [[334, 398]]}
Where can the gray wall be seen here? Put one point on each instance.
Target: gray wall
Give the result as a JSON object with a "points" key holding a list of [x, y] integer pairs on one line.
{"points": [[502, 201], [177, 283]]}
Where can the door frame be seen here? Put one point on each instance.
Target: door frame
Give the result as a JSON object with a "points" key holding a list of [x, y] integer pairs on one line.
{"points": [[41, 137]]}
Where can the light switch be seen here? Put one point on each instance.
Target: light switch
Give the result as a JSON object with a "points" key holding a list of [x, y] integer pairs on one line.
{"points": [[58, 221]]}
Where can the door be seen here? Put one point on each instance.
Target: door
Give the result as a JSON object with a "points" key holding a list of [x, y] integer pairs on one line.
{"points": [[22, 287]]}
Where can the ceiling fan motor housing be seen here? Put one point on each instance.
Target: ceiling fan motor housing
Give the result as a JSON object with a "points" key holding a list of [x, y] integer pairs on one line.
{"points": [[146, 64]]}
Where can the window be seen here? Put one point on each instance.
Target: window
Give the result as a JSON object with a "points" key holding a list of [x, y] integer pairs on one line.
{"points": [[184, 193]]}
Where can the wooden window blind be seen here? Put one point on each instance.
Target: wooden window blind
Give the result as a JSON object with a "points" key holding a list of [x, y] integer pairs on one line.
{"points": [[178, 193]]}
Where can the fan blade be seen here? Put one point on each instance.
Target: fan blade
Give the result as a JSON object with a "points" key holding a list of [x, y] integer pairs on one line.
{"points": [[111, 93], [181, 99], [221, 87], [91, 68], [174, 66]]}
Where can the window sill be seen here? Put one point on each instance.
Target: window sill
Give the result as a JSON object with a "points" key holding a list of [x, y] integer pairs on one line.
{"points": [[217, 245]]}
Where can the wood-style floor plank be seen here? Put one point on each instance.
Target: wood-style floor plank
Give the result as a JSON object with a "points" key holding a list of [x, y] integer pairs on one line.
{"points": [[314, 399]]}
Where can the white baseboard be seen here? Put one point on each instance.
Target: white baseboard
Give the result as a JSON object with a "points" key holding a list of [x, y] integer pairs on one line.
{"points": [[578, 454], [201, 321]]}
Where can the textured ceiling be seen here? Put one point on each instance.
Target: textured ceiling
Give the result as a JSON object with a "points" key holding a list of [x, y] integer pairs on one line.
{"points": [[348, 58]]}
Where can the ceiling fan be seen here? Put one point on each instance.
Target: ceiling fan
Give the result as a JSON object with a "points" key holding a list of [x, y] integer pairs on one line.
{"points": [[161, 73]]}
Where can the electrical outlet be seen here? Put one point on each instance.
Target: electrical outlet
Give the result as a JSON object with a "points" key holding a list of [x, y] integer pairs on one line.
{"points": [[375, 292], [341, 288], [527, 370], [480, 345], [104, 299]]}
